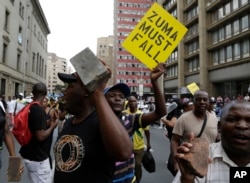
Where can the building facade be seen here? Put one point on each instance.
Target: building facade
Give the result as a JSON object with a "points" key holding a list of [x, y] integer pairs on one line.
{"points": [[23, 46], [215, 52], [105, 52], [55, 64], [128, 69]]}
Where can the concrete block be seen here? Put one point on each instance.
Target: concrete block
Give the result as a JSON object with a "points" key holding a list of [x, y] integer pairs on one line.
{"points": [[90, 69]]}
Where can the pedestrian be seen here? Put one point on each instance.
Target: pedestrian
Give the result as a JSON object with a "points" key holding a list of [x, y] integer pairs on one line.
{"points": [[10, 110], [116, 95], [187, 106], [5, 134], [200, 121], [35, 153], [19, 104], [138, 138], [92, 140], [232, 151], [169, 120]]}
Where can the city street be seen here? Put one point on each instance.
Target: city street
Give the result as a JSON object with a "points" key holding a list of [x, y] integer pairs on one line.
{"points": [[160, 146]]}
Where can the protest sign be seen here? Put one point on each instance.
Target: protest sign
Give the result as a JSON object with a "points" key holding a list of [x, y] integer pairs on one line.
{"points": [[155, 37]]}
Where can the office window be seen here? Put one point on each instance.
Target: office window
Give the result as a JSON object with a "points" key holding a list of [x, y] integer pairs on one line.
{"points": [[227, 8], [20, 36], [229, 53], [6, 20], [245, 23], [243, 2], [33, 62], [215, 37], [235, 4], [220, 13], [222, 55], [215, 58], [18, 63], [228, 30], [236, 50], [236, 27], [245, 48], [4, 54], [221, 34]]}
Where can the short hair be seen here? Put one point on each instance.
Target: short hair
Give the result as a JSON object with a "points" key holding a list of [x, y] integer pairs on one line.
{"points": [[39, 89]]}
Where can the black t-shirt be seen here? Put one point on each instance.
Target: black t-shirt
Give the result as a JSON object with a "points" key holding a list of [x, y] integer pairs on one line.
{"points": [[80, 154], [175, 113], [36, 150]]}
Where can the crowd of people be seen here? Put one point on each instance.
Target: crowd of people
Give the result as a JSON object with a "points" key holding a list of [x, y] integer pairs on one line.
{"points": [[101, 134]]}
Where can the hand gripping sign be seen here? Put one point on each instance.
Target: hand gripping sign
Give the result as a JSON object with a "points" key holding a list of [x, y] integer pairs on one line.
{"points": [[155, 37]]}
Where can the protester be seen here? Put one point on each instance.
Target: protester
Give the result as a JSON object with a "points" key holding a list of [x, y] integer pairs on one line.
{"points": [[115, 96], [90, 141], [200, 121], [19, 104], [10, 110], [35, 153], [187, 106], [51, 114], [232, 151], [169, 120], [5, 134], [138, 138]]}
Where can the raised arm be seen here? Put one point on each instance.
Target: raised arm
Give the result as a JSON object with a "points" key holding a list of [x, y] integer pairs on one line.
{"points": [[160, 108]]}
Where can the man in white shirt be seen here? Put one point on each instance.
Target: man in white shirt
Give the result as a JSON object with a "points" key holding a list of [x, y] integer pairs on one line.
{"points": [[20, 103], [232, 151], [10, 110]]}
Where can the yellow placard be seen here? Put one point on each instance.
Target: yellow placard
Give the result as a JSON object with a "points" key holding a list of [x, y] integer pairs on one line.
{"points": [[193, 87], [155, 37]]}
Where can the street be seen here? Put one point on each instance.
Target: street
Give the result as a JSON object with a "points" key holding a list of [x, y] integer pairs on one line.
{"points": [[160, 146]]}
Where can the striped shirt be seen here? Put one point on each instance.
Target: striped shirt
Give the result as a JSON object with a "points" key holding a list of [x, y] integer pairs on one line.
{"points": [[124, 171]]}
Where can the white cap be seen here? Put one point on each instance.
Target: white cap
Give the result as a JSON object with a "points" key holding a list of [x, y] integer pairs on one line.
{"points": [[21, 94]]}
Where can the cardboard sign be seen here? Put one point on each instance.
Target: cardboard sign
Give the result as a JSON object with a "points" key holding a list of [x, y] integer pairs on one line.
{"points": [[193, 87], [155, 37]]}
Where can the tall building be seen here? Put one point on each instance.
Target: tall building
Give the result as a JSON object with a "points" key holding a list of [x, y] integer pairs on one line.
{"points": [[23, 46], [105, 52], [55, 64], [215, 53], [128, 69]]}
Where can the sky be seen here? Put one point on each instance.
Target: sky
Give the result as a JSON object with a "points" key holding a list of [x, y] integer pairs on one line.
{"points": [[76, 24]]}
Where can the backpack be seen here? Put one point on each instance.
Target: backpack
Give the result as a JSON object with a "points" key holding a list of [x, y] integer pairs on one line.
{"points": [[21, 129]]}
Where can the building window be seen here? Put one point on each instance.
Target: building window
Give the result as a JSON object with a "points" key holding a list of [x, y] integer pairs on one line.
{"points": [[5, 46], [215, 58], [20, 36], [227, 8], [221, 34], [245, 23], [236, 51], [33, 62], [236, 27], [243, 2], [235, 4], [229, 53], [222, 55], [228, 30], [6, 21], [245, 48], [18, 63]]}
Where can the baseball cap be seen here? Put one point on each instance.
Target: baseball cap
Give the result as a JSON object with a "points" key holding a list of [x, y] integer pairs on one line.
{"points": [[120, 86], [67, 78], [21, 94]]}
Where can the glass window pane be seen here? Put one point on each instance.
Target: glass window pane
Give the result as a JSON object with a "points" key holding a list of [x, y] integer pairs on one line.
{"points": [[245, 23], [236, 51]]}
